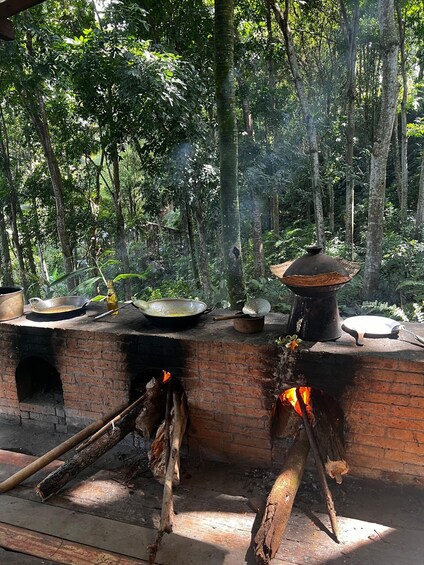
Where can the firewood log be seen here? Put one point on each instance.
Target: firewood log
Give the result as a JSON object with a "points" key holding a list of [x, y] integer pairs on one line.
{"points": [[61, 476], [153, 410], [280, 501], [328, 431]]}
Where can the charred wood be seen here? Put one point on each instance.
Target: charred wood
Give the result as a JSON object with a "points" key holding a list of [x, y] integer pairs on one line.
{"points": [[153, 409], [71, 468], [328, 429]]}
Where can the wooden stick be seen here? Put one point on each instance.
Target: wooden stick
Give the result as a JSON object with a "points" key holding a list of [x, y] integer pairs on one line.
{"points": [[280, 501], [111, 423], [56, 452], [180, 422], [321, 473], [166, 519]]}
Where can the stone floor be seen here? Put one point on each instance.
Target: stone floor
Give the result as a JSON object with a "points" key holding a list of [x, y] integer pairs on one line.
{"points": [[111, 512]]}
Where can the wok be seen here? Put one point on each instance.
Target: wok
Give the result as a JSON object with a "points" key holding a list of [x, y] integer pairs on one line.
{"points": [[59, 307], [172, 313]]}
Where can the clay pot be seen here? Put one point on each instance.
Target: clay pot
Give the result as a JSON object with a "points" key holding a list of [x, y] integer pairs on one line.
{"points": [[248, 325]]}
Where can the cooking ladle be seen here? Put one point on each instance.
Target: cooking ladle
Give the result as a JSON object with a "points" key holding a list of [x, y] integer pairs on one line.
{"points": [[255, 308], [112, 311]]}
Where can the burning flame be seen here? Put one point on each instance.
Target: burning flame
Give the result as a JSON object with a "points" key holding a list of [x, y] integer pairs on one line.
{"points": [[166, 376], [289, 396]]}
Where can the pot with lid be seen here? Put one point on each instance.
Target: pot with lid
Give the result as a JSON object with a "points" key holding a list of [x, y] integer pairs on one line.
{"points": [[314, 280]]}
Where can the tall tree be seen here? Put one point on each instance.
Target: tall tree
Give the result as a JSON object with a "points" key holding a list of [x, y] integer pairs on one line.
{"points": [[282, 17], [351, 26], [389, 47], [228, 149], [403, 117]]}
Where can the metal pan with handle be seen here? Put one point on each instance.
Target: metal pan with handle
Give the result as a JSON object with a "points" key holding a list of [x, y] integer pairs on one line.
{"points": [[375, 326], [59, 307], [370, 326]]}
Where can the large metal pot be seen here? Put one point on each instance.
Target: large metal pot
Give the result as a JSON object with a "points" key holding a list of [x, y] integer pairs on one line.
{"points": [[11, 302], [172, 313]]}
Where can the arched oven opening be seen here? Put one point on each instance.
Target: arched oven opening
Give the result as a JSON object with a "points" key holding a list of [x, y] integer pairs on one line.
{"points": [[326, 422], [37, 381]]}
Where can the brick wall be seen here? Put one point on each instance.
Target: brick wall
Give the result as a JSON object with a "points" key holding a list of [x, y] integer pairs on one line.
{"points": [[232, 384]]}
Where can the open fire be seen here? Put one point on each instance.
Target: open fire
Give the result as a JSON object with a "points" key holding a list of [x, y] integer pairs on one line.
{"points": [[290, 396]]}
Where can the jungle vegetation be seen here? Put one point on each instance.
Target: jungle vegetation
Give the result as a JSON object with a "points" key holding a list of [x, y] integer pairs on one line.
{"points": [[191, 144]]}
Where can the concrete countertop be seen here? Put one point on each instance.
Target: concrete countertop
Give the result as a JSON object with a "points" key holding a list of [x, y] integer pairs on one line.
{"points": [[130, 321]]}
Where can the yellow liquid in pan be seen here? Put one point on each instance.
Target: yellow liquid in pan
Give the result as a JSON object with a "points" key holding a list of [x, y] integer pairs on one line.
{"points": [[57, 310]]}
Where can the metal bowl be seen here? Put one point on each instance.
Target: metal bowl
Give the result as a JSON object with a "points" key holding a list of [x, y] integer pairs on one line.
{"points": [[11, 302]]}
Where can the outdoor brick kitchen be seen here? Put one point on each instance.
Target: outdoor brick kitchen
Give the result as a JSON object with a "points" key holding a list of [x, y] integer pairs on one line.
{"points": [[65, 374]]}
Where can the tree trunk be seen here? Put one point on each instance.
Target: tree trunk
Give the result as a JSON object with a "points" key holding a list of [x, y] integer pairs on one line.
{"points": [[120, 222], [258, 246], [5, 262], [13, 206], [228, 149], [351, 24], [419, 220], [191, 242], [396, 159], [203, 249], [275, 214], [389, 93], [282, 20], [403, 118], [38, 115]]}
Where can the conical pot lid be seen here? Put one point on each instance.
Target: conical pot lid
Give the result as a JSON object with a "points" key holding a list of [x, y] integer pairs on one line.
{"points": [[315, 269]]}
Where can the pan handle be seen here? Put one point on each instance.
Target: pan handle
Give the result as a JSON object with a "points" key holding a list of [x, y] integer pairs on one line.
{"points": [[231, 316]]}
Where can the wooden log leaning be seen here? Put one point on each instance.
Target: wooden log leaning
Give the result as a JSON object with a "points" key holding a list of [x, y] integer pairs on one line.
{"points": [[280, 501], [60, 477], [56, 452], [110, 424]]}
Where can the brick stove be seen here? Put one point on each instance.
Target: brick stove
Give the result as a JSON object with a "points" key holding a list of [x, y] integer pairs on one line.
{"points": [[66, 374]]}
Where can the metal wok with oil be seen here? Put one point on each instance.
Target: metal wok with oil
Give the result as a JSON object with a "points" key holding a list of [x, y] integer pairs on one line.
{"points": [[172, 313], [59, 307]]}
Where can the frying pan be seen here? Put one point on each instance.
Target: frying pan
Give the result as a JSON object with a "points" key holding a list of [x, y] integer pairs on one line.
{"points": [[370, 326], [172, 313]]}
